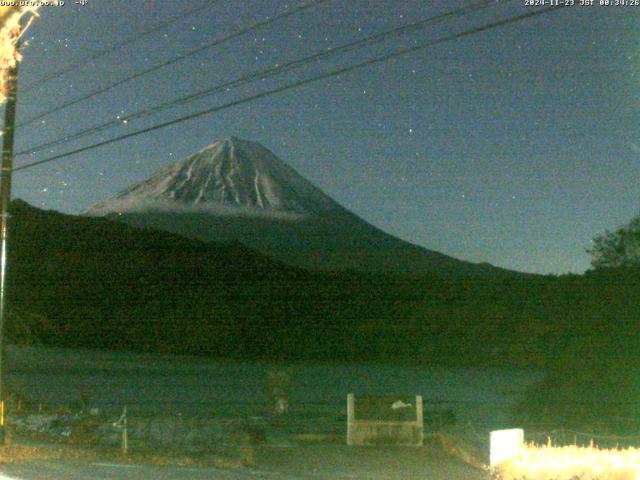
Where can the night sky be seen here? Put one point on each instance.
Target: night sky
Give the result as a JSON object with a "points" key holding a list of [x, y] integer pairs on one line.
{"points": [[513, 146]]}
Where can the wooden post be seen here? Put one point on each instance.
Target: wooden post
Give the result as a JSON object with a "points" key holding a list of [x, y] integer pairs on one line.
{"points": [[125, 439], [419, 419], [5, 199], [350, 417]]}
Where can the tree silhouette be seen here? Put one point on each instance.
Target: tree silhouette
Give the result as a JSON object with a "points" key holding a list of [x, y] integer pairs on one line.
{"points": [[620, 248]]}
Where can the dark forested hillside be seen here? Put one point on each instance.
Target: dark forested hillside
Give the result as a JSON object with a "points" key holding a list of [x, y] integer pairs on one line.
{"points": [[592, 376], [94, 283]]}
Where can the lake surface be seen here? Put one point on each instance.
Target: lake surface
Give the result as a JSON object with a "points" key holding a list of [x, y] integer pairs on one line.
{"points": [[150, 384]]}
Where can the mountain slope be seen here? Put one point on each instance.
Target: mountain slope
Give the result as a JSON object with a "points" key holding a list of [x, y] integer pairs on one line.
{"points": [[90, 282], [237, 190]]}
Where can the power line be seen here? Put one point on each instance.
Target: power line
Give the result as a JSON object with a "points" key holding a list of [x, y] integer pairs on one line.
{"points": [[266, 73], [166, 63], [114, 48], [297, 84], [262, 74]]}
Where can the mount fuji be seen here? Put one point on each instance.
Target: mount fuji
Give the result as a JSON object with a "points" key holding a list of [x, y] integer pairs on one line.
{"points": [[237, 190]]}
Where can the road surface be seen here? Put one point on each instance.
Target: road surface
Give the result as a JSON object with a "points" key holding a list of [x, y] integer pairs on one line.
{"points": [[67, 470], [316, 461]]}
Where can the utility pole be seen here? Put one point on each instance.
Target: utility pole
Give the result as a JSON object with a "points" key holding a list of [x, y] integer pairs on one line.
{"points": [[5, 198]]}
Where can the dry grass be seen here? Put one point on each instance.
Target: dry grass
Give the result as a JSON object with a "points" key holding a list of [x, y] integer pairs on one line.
{"points": [[571, 463], [17, 453], [29, 448], [10, 32]]}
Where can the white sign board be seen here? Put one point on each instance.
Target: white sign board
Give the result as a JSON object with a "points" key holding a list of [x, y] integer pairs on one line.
{"points": [[505, 444]]}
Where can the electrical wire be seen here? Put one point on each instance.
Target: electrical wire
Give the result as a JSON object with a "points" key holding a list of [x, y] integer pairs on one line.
{"points": [[332, 73], [263, 74], [112, 49], [171, 61]]}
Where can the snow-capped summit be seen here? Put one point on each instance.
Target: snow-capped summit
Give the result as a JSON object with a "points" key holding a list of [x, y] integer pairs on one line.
{"points": [[238, 191], [230, 176]]}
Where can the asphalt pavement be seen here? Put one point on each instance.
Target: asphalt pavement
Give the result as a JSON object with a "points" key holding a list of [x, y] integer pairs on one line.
{"points": [[68, 470], [315, 461]]}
